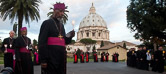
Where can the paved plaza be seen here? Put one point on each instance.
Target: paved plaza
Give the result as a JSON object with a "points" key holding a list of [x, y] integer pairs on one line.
{"points": [[100, 68]]}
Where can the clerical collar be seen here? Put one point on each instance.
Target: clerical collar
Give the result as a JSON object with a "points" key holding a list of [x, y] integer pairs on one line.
{"points": [[10, 37]]}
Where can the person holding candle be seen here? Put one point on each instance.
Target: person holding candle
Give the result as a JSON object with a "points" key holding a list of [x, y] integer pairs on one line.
{"points": [[22, 45], [8, 49], [52, 41]]}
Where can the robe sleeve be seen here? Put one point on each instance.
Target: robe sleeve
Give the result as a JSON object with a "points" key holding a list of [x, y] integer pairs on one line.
{"points": [[67, 39], [42, 45], [3, 47]]}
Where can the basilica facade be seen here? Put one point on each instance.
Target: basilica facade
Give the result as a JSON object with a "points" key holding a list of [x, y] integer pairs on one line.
{"points": [[92, 26]]}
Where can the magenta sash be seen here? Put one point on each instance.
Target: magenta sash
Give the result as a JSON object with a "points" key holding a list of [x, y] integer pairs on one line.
{"points": [[10, 50], [24, 50], [13, 53], [37, 59], [55, 41]]}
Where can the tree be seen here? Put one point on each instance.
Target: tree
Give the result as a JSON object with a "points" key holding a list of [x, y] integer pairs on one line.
{"points": [[0, 43], [20, 10], [15, 28], [35, 42], [73, 41], [147, 18], [124, 45], [64, 18], [102, 44], [88, 41]]}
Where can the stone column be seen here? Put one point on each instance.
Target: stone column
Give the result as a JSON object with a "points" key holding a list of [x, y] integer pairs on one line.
{"points": [[97, 34], [91, 33], [78, 35], [108, 35], [103, 34], [83, 34]]}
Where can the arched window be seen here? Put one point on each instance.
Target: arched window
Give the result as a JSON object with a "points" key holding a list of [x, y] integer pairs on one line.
{"points": [[87, 34], [99, 34], [93, 34]]}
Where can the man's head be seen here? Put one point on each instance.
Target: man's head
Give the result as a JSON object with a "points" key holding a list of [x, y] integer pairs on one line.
{"points": [[139, 48], [11, 33], [59, 9], [24, 31], [144, 48], [160, 48]]}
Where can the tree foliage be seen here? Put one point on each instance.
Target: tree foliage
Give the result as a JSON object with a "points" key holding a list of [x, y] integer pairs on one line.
{"points": [[35, 42], [124, 45], [73, 41], [0, 43], [102, 44], [15, 28], [87, 41], [147, 18], [20, 10]]}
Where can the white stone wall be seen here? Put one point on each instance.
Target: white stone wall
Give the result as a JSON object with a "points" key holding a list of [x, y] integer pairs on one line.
{"points": [[72, 48], [104, 33]]}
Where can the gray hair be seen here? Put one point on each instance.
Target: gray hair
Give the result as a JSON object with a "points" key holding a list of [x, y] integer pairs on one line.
{"points": [[11, 32]]}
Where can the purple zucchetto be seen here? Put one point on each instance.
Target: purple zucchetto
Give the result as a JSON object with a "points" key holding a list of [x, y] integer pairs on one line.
{"points": [[23, 28], [59, 6]]}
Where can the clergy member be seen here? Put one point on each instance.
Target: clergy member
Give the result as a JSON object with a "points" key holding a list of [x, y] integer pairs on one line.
{"points": [[52, 41], [22, 44], [107, 56], [75, 56], [7, 48], [87, 56], [82, 57], [159, 58], [95, 56]]}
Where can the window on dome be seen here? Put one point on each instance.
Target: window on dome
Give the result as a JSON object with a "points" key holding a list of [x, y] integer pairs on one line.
{"points": [[87, 34]]}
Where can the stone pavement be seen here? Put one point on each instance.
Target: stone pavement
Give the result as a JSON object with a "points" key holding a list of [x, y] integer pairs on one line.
{"points": [[99, 68]]}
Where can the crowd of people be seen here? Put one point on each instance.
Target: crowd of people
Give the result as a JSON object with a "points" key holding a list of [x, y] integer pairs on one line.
{"points": [[17, 52], [144, 59], [104, 57]]}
